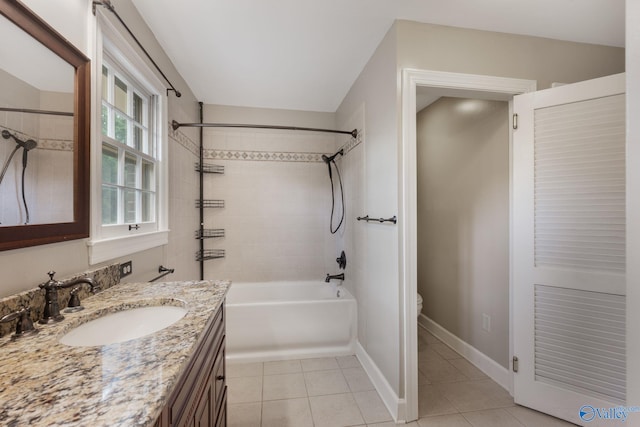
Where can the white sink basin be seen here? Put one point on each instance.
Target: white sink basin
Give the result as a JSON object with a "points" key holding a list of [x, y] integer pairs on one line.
{"points": [[123, 326]]}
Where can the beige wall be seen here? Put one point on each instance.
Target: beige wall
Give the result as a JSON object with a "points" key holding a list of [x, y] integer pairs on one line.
{"points": [[269, 116], [352, 237], [463, 220], [442, 48], [432, 47], [376, 92], [25, 268]]}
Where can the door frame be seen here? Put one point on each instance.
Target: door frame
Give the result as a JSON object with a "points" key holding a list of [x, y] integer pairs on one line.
{"points": [[407, 215]]}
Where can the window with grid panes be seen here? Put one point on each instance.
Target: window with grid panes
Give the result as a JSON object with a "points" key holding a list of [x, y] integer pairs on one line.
{"points": [[129, 152]]}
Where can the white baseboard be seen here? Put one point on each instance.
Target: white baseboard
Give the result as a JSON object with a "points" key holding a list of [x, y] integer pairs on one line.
{"points": [[288, 354], [394, 404], [491, 368]]}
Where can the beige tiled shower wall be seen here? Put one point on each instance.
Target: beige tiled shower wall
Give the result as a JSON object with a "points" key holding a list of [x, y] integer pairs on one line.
{"points": [[277, 199], [49, 174], [276, 194]]}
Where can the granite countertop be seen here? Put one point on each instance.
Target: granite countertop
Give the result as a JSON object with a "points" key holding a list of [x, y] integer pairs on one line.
{"points": [[45, 383]]}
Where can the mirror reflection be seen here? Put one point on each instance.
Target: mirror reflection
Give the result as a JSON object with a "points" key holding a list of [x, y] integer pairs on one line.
{"points": [[37, 131]]}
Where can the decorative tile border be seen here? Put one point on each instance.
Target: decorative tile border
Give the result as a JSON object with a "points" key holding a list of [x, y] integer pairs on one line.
{"points": [[353, 142], [55, 144], [277, 156], [269, 156], [67, 145], [44, 144], [255, 155], [183, 140]]}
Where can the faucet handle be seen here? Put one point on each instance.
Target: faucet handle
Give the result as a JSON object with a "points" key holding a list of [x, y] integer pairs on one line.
{"points": [[74, 301], [51, 283], [24, 326], [342, 260], [96, 288]]}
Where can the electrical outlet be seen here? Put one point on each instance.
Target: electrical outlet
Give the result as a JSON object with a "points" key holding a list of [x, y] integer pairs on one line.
{"points": [[126, 268], [486, 322]]}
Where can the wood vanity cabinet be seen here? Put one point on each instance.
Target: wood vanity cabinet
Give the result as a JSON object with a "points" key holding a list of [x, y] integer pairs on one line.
{"points": [[200, 396]]}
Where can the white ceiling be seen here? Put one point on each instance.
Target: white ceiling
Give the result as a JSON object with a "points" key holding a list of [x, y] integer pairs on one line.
{"points": [[306, 54]]}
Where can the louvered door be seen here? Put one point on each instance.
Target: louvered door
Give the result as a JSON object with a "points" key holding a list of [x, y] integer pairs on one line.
{"points": [[569, 249]]}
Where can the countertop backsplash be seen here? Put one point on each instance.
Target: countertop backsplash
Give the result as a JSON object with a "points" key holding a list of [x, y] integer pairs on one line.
{"points": [[105, 277]]}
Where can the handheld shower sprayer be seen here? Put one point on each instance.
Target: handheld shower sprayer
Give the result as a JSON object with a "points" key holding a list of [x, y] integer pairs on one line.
{"points": [[27, 145], [328, 160]]}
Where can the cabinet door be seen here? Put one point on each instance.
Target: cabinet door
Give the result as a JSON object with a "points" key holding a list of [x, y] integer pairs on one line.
{"points": [[199, 396], [222, 415], [219, 375], [204, 410]]}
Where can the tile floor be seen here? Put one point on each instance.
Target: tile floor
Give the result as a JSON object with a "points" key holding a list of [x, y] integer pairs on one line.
{"points": [[454, 393], [326, 392], [336, 392]]}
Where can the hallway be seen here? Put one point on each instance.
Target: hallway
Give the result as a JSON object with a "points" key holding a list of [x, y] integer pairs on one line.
{"points": [[454, 393]]}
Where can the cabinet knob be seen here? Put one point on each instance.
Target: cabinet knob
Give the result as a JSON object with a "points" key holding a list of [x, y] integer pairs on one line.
{"points": [[220, 378]]}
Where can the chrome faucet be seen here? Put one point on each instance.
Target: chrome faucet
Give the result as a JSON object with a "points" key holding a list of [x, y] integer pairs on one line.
{"points": [[51, 305], [335, 276]]}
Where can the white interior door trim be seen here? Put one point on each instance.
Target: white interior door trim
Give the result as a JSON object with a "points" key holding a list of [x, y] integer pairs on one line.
{"points": [[408, 243]]}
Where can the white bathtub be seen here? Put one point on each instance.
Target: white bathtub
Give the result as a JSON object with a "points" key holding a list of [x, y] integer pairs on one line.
{"points": [[289, 320]]}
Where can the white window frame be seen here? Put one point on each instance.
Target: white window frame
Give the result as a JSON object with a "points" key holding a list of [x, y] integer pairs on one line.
{"points": [[105, 244], [124, 149]]}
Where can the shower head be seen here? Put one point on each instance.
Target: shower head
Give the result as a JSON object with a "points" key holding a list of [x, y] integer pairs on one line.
{"points": [[29, 144], [328, 159]]}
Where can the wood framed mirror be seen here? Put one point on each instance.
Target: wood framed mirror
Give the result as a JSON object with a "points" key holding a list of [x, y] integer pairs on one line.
{"points": [[45, 120]]}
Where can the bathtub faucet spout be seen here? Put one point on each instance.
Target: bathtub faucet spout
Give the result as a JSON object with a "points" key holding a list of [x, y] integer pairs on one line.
{"points": [[335, 276]]}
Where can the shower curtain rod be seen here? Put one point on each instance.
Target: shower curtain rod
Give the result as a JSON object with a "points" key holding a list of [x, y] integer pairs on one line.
{"points": [[175, 125], [109, 6], [32, 111]]}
